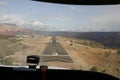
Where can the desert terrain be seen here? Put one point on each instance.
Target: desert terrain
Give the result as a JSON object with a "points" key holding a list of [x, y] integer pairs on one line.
{"points": [[85, 54]]}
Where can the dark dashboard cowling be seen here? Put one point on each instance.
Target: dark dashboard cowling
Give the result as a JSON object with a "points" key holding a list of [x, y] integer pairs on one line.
{"points": [[7, 73], [11, 73]]}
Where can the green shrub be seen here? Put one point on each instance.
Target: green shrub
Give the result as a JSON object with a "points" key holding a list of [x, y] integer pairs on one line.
{"points": [[14, 40], [93, 44], [107, 54], [2, 55], [118, 51], [93, 69], [7, 61]]}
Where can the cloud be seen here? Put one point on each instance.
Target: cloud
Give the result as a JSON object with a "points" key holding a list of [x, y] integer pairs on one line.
{"points": [[19, 20], [12, 18], [3, 3], [107, 21], [60, 18], [38, 23], [75, 8]]}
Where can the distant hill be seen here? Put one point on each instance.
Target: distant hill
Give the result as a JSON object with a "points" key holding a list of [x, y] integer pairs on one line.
{"points": [[13, 29], [110, 39]]}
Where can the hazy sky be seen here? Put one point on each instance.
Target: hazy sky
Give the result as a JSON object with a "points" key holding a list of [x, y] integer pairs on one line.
{"points": [[58, 17]]}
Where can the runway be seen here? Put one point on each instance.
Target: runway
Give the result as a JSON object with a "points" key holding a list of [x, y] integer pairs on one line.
{"points": [[55, 52]]}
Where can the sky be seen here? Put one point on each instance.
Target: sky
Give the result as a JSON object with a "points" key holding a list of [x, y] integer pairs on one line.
{"points": [[59, 17]]}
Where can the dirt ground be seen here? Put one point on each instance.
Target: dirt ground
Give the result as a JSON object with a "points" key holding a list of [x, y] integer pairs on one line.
{"points": [[84, 57], [35, 47], [87, 58]]}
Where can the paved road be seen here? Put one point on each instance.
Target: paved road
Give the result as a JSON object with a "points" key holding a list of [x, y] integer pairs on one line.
{"points": [[55, 52], [56, 58]]}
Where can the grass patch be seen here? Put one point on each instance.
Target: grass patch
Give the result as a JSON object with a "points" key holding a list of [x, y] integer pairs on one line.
{"points": [[6, 36], [118, 51], [7, 61], [90, 43], [107, 54], [8, 47], [14, 40]]}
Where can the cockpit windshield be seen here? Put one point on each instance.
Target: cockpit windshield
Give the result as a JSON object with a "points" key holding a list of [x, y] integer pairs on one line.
{"points": [[82, 37]]}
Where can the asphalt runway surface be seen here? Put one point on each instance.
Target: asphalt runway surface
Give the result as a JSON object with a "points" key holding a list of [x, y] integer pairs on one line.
{"points": [[55, 52]]}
